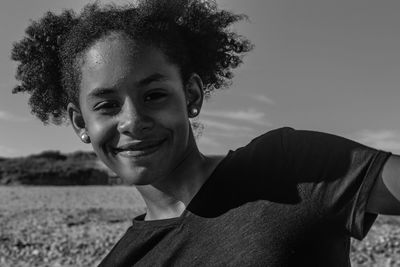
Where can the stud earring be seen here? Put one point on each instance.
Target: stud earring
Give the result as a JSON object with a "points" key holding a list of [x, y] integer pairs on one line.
{"points": [[193, 112], [85, 138]]}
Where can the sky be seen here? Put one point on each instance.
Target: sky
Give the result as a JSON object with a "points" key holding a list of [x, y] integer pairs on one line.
{"points": [[330, 66]]}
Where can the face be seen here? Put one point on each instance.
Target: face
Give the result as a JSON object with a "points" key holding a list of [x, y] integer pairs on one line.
{"points": [[134, 108]]}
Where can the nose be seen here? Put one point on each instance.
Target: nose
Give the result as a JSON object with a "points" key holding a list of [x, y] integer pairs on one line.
{"points": [[133, 120]]}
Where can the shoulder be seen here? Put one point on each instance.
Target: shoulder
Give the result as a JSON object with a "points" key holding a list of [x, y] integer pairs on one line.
{"points": [[272, 140], [293, 141], [273, 135], [289, 150], [263, 154]]}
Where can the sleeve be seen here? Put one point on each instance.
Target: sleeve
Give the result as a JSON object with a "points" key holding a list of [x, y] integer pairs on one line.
{"points": [[334, 176]]}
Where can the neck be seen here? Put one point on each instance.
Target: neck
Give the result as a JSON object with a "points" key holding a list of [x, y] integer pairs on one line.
{"points": [[170, 197]]}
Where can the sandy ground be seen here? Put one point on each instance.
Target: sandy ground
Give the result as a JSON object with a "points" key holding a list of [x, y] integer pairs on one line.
{"points": [[77, 226]]}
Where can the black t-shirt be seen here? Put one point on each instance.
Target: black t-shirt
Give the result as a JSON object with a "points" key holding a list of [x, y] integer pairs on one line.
{"points": [[288, 198]]}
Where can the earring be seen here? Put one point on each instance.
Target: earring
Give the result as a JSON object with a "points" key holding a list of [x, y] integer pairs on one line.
{"points": [[85, 138], [193, 112]]}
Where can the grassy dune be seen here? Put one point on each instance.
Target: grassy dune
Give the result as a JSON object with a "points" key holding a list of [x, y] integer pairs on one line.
{"points": [[76, 226], [63, 226]]}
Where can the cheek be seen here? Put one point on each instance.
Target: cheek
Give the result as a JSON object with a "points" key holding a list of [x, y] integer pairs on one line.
{"points": [[180, 124], [177, 111], [175, 119], [101, 132]]}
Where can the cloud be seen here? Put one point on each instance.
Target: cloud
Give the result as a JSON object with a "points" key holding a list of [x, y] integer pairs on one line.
{"points": [[388, 140], [250, 115], [209, 145], [7, 151], [225, 126], [262, 98], [208, 141], [7, 116], [230, 134]]}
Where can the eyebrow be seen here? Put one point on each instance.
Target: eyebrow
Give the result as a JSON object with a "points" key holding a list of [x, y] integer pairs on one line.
{"points": [[155, 77], [98, 92]]}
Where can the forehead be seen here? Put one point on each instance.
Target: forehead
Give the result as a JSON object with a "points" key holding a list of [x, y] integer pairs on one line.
{"points": [[117, 59], [115, 48]]}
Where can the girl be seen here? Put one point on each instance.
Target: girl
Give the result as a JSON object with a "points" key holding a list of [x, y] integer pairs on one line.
{"points": [[129, 78]]}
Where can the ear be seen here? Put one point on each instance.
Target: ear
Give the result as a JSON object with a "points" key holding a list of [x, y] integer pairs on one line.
{"points": [[76, 119], [194, 94]]}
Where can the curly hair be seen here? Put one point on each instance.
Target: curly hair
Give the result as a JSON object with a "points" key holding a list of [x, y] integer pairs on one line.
{"points": [[194, 34]]}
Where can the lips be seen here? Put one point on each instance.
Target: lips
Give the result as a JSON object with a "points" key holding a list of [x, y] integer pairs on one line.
{"points": [[139, 148]]}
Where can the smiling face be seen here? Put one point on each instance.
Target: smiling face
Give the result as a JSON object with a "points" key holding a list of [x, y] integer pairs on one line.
{"points": [[133, 106]]}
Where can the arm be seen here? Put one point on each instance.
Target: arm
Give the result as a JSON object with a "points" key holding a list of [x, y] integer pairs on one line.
{"points": [[385, 194]]}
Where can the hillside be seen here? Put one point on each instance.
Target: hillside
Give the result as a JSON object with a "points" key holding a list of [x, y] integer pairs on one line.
{"points": [[55, 168]]}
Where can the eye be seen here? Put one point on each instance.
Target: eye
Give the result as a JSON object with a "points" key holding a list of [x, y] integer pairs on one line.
{"points": [[155, 97], [106, 106]]}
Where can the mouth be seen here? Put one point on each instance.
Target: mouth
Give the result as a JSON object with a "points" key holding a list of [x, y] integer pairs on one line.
{"points": [[139, 148]]}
